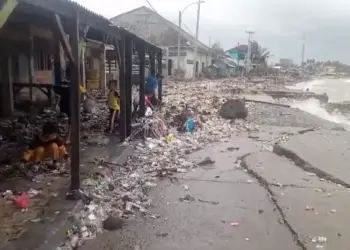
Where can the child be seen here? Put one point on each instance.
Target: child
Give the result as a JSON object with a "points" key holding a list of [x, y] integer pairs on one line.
{"points": [[113, 104], [46, 145]]}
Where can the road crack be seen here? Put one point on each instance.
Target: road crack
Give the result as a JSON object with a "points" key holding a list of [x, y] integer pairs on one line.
{"points": [[266, 186]]}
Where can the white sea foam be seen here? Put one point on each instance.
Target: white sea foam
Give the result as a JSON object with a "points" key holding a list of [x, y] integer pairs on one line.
{"points": [[337, 91]]}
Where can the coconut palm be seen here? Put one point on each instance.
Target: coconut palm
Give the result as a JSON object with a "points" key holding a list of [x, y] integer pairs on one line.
{"points": [[260, 55]]}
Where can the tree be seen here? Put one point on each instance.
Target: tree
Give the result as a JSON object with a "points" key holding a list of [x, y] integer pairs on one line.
{"points": [[216, 48], [259, 55]]}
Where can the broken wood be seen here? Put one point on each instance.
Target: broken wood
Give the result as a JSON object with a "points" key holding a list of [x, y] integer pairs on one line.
{"points": [[270, 103]]}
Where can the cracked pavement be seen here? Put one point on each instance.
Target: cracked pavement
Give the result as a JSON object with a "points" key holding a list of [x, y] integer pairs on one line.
{"points": [[265, 202]]}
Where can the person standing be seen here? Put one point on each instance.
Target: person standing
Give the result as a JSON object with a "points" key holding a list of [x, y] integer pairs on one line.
{"points": [[113, 104], [63, 90], [151, 87]]}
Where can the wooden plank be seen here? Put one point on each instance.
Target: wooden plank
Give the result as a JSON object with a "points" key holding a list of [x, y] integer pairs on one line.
{"points": [[142, 58], [63, 39], [128, 85], [122, 88], [75, 105]]}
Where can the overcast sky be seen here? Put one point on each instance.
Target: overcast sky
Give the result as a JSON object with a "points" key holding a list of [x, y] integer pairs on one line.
{"points": [[279, 24]]}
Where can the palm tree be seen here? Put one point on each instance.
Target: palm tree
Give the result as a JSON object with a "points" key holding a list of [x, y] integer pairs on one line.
{"points": [[260, 56]]}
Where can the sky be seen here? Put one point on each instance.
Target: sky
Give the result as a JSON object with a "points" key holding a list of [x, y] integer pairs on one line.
{"points": [[279, 25]]}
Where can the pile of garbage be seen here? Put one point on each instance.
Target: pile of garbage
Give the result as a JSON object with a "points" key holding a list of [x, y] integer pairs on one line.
{"points": [[190, 121], [18, 132]]}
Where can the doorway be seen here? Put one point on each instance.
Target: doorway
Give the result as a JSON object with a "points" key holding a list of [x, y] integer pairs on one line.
{"points": [[170, 67], [202, 66], [197, 65]]}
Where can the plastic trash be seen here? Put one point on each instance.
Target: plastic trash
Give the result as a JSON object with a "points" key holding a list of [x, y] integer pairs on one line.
{"points": [[190, 125], [22, 201], [169, 138]]}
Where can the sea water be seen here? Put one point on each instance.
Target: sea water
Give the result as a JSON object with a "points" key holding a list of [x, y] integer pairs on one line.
{"points": [[338, 90]]}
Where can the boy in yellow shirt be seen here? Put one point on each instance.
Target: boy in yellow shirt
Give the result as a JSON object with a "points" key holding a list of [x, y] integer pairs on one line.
{"points": [[113, 104]]}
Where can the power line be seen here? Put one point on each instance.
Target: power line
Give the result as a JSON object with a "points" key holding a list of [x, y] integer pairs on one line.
{"points": [[188, 29], [150, 5]]}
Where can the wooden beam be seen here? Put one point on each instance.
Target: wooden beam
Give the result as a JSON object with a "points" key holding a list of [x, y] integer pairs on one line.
{"points": [[128, 82], [122, 88], [160, 72], [63, 39], [142, 58], [75, 103]]}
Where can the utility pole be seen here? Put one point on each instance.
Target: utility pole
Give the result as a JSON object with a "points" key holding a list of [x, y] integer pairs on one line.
{"points": [[179, 30], [249, 54], [196, 43], [179, 41], [302, 51]]}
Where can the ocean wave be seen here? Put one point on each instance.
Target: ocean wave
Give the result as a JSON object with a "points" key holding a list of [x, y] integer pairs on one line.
{"points": [[313, 106], [307, 85]]}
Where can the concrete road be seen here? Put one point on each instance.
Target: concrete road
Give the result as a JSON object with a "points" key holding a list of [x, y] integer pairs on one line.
{"points": [[327, 153], [223, 194], [311, 207]]}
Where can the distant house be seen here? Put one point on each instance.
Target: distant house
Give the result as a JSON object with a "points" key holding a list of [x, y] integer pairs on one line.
{"points": [[224, 65], [154, 28], [238, 53]]}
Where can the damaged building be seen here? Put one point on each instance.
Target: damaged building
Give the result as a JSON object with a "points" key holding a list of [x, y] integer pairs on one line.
{"points": [[155, 29]]}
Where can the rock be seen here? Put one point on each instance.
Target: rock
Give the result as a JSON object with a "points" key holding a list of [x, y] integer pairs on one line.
{"points": [[206, 161], [187, 198], [234, 109], [113, 223]]}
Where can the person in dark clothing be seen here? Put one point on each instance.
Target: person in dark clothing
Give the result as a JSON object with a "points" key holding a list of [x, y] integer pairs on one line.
{"points": [[63, 91]]}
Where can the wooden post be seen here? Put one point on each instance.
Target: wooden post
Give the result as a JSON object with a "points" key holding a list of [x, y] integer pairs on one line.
{"points": [[142, 58], [109, 66], [7, 106], [103, 69], [57, 62], [160, 71], [128, 82], [152, 61], [31, 68], [75, 104], [122, 88]]}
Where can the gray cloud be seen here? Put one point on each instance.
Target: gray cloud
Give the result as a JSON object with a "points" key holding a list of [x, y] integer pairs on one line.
{"points": [[279, 24]]}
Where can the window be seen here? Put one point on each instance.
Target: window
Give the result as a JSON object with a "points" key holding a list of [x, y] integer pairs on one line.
{"points": [[42, 61], [190, 62]]}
